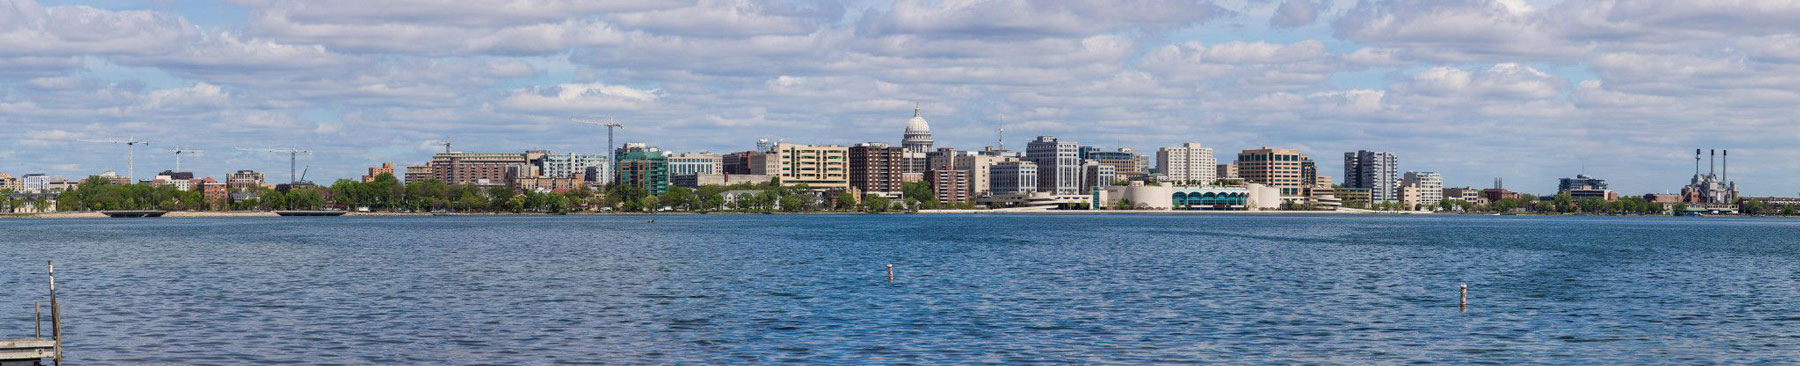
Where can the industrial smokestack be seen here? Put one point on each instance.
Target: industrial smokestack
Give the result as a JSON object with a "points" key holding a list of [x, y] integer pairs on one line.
{"points": [[1725, 165], [1712, 161], [1696, 163]]}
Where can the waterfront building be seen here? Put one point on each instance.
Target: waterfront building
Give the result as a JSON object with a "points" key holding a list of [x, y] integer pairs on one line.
{"points": [[1013, 177], [876, 168], [485, 169], [1168, 196], [980, 170], [1189, 164], [1355, 197], [1226, 171], [820, 167], [591, 167], [217, 193], [1580, 181], [695, 163], [385, 168], [8, 183], [738, 162], [1430, 187], [1125, 162], [1373, 170], [949, 185], [182, 181], [1710, 190], [940, 158], [1278, 168], [244, 181], [415, 173], [1095, 175], [34, 183], [1059, 165], [697, 180], [1467, 194], [644, 169], [1410, 198]]}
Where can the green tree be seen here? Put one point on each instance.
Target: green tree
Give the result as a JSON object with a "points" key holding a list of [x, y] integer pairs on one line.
{"points": [[516, 203]]}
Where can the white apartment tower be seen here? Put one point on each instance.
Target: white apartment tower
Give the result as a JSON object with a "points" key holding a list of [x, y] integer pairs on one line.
{"points": [[1187, 163]]}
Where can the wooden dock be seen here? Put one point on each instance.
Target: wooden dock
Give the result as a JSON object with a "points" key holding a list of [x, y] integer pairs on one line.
{"points": [[26, 351]]}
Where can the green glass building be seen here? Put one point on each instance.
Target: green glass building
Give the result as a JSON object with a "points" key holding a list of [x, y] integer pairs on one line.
{"points": [[646, 169]]}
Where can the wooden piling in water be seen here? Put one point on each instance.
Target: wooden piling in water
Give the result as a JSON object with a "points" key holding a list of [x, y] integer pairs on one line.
{"points": [[890, 272], [55, 314], [37, 319]]}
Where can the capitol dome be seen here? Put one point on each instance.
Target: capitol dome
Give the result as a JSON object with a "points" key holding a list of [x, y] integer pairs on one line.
{"points": [[918, 133]]}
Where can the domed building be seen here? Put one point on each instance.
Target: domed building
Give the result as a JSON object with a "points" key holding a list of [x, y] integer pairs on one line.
{"points": [[918, 133]]}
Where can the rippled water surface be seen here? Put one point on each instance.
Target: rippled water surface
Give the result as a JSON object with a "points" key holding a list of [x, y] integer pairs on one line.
{"points": [[744, 289]]}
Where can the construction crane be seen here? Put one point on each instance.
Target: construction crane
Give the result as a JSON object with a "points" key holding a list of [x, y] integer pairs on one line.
{"points": [[446, 144], [293, 157], [178, 151], [612, 158], [131, 144]]}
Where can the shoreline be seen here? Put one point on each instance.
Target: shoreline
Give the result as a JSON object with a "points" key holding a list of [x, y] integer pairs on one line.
{"points": [[271, 214]]}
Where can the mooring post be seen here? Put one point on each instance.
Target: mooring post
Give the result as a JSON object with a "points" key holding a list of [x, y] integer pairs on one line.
{"points": [[37, 319], [890, 272], [55, 314], [1465, 297]]}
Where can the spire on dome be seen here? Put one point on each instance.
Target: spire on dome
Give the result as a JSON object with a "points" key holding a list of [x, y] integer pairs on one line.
{"points": [[915, 109]]}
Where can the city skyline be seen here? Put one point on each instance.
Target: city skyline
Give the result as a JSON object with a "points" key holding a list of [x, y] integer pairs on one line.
{"points": [[1529, 91]]}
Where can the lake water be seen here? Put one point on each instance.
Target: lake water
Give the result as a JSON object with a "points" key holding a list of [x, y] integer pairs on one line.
{"points": [[745, 289]]}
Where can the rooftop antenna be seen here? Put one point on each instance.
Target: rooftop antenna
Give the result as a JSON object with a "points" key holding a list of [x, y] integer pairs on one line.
{"points": [[131, 144], [178, 151]]}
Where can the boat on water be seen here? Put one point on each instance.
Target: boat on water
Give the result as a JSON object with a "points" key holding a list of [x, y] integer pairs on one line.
{"points": [[311, 213], [133, 213]]}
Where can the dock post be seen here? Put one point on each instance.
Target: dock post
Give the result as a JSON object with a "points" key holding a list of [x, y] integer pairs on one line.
{"points": [[55, 314], [37, 319], [890, 272], [1465, 297]]}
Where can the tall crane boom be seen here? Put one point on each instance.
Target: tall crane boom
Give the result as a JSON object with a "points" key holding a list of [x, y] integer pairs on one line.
{"points": [[612, 158], [178, 151], [293, 157], [131, 144]]}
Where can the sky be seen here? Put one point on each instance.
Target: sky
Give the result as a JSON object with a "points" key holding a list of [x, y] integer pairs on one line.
{"points": [[1527, 91]]}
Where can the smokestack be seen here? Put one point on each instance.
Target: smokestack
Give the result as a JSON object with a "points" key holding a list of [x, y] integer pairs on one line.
{"points": [[1696, 163], [1712, 161], [1725, 165]]}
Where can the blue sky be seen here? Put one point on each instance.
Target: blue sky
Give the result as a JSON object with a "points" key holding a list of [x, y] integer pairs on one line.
{"points": [[1474, 89]]}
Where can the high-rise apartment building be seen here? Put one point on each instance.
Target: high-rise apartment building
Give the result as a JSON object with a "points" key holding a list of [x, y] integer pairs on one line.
{"points": [[592, 167], [1189, 163], [1276, 168], [1058, 162], [1373, 170], [950, 185], [385, 168], [244, 181], [1227, 171], [1429, 184], [876, 168], [738, 162], [819, 167]]}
